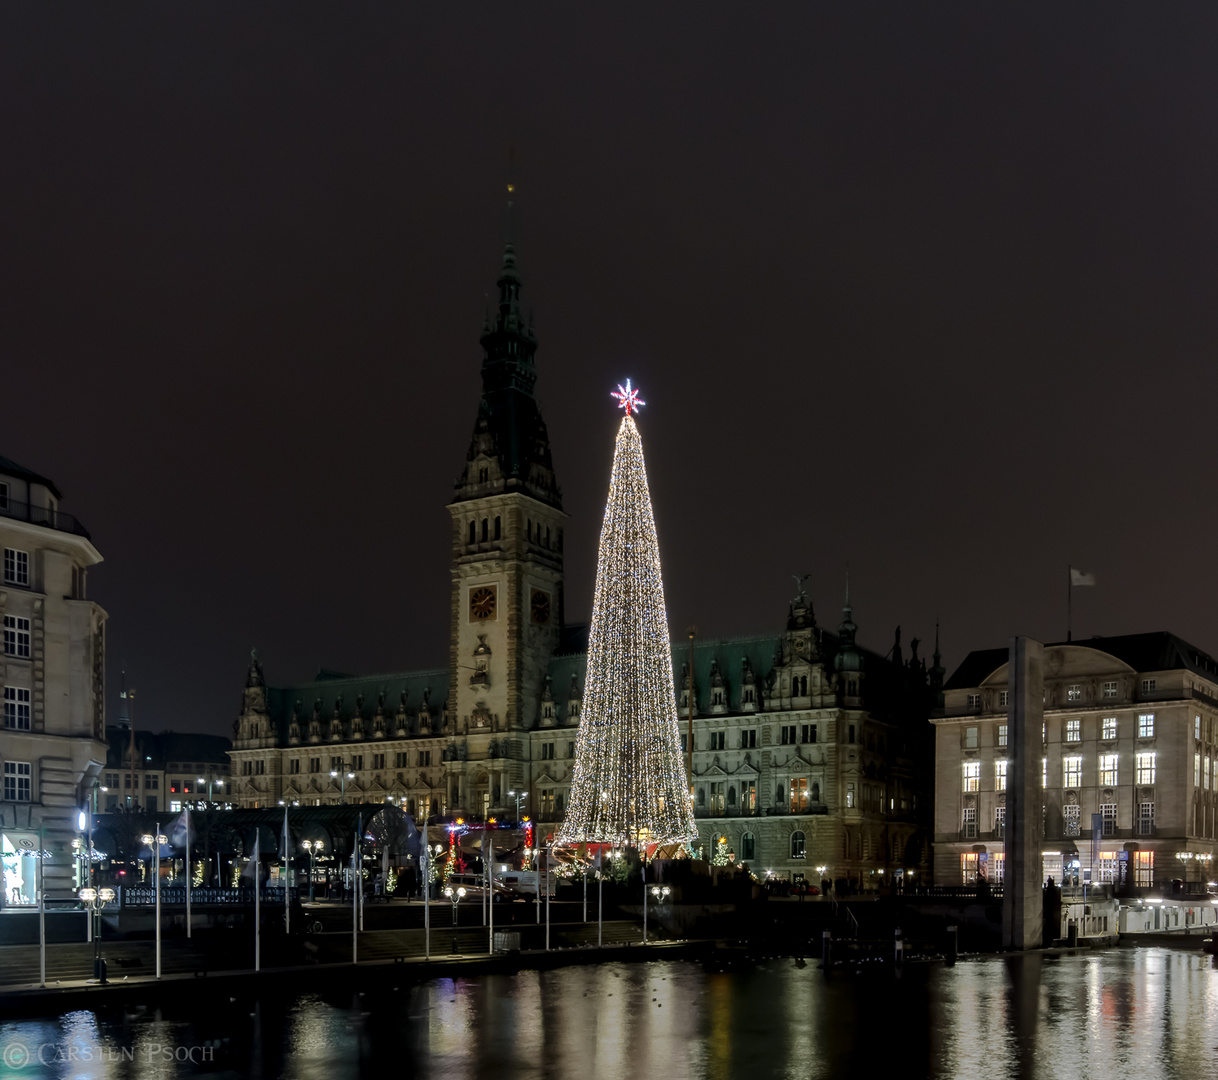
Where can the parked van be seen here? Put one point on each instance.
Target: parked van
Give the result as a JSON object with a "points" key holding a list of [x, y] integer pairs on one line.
{"points": [[524, 883]]}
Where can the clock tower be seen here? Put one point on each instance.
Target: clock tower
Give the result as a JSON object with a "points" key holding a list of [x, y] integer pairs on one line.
{"points": [[507, 538]]}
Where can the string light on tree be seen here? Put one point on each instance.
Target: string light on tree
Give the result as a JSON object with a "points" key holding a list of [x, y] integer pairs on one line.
{"points": [[720, 858], [628, 784]]}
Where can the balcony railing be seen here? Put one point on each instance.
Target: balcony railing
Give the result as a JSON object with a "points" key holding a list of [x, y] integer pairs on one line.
{"points": [[43, 515]]}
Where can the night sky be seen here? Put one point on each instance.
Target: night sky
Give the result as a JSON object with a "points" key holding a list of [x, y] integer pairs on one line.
{"points": [[924, 289]]}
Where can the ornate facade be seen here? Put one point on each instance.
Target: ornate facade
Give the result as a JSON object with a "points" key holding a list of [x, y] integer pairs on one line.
{"points": [[808, 750]]}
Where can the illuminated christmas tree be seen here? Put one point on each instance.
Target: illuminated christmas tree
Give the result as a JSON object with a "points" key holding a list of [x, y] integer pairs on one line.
{"points": [[629, 785], [720, 858]]}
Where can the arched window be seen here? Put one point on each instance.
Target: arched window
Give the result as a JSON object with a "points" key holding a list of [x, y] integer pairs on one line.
{"points": [[748, 847], [780, 795], [484, 528], [701, 796], [731, 796], [803, 686], [497, 528], [798, 850], [815, 792], [473, 533]]}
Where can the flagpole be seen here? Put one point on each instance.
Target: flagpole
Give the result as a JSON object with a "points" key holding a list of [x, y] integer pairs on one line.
{"points": [[643, 869], [287, 907], [156, 840], [1069, 602], [257, 904], [490, 873], [42, 912], [188, 874], [600, 894], [426, 895], [547, 899]]}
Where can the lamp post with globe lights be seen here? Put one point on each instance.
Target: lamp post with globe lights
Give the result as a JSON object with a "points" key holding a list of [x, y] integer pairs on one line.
{"points": [[156, 842], [314, 848], [456, 896], [343, 775], [94, 900], [519, 796]]}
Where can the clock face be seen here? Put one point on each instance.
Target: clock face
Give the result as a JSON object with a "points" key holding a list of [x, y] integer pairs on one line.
{"points": [[540, 606], [482, 603]]}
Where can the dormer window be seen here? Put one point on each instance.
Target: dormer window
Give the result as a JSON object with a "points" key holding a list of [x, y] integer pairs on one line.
{"points": [[484, 474]]}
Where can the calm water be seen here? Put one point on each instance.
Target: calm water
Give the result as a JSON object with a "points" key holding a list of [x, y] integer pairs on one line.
{"points": [[1136, 1012]]}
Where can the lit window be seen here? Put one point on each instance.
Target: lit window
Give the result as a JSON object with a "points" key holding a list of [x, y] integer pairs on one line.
{"points": [[1107, 865], [1074, 692], [16, 567], [997, 867], [1074, 730], [1108, 770], [1205, 776], [1108, 812], [1110, 689], [1000, 776], [1146, 725], [1109, 727], [1000, 821], [1148, 685], [849, 794], [970, 738], [1196, 727], [1002, 734], [798, 845], [1071, 815], [1072, 772], [1044, 772], [969, 825], [1197, 769], [17, 708], [17, 780], [1145, 773], [972, 776], [968, 868]]}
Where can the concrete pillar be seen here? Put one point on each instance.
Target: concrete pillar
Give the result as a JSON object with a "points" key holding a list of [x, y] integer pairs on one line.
{"points": [[1022, 904]]}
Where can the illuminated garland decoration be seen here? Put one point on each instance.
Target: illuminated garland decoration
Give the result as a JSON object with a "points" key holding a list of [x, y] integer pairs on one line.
{"points": [[720, 857], [628, 784]]}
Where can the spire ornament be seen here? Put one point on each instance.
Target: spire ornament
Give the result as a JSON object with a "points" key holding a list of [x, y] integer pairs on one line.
{"points": [[627, 398]]}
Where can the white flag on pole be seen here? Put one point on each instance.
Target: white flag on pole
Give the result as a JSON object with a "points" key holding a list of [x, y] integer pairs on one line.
{"points": [[1078, 578]]}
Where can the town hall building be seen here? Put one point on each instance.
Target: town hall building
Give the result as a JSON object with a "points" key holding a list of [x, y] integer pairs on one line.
{"points": [[811, 756]]}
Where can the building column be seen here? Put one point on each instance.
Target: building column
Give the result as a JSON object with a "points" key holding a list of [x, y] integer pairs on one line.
{"points": [[1022, 906]]}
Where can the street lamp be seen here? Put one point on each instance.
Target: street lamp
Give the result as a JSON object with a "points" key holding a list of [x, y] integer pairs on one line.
{"points": [[1186, 857], [455, 895], [209, 782], [94, 900], [159, 840], [343, 776], [520, 797], [314, 848]]}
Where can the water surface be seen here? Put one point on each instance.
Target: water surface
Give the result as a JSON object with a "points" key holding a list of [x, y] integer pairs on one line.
{"points": [[1147, 1012]]}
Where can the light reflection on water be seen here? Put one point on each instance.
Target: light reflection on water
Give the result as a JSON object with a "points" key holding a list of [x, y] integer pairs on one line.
{"points": [[1143, 1012]]}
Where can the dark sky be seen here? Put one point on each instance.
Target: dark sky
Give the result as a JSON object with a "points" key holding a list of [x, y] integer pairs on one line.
{"points": [[926, 289]]}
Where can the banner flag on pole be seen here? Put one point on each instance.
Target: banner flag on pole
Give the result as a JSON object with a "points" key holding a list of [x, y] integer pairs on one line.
{"points": [[1078, 578]]}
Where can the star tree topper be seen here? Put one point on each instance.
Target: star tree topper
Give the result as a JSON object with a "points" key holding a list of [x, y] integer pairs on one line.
{"points": [[627, 398]]}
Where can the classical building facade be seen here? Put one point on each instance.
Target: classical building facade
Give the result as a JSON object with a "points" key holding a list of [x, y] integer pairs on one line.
{"points": [[809, 750], [52, 679], [1130, 735]]}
